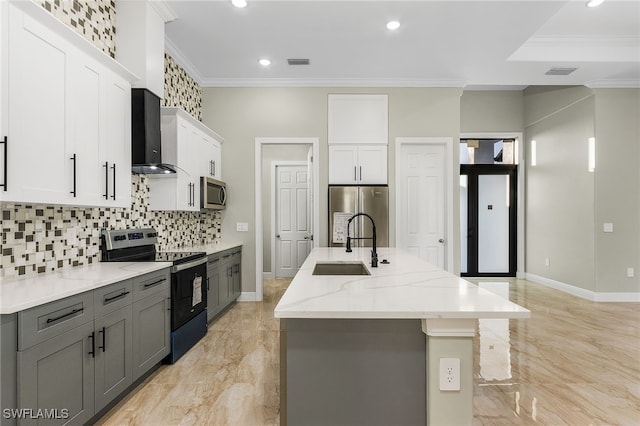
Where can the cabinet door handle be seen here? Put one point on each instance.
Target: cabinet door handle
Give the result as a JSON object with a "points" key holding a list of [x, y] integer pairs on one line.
{"points": [[360, 173], [104, 341], [114, 181], [92, 336], [75, 311], [74, 158], [4, 181], [214, 167], [106, 180], [207, 283], [355, 173]]}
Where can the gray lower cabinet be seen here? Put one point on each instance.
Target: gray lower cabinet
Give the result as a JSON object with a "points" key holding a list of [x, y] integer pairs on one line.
{"points": [[58, 375], [213, 286], [224, 282], [151, 332], [113, 356], [64, 361]]}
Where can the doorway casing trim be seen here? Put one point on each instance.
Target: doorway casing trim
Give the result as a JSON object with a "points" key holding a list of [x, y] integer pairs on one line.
{"points": [[447, 141], [520, 271], [259, 142], [274, 166]]}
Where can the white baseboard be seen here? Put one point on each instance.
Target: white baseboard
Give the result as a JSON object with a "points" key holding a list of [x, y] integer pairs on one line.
{"points": [[268, 275], [585, 294], [247, 296]]}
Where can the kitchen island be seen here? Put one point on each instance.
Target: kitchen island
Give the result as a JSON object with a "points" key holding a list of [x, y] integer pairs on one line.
{"points": [[366, 349]]}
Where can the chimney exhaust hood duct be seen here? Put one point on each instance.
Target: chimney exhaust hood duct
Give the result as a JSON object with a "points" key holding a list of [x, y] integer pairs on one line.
{"points": [[146, 145]]}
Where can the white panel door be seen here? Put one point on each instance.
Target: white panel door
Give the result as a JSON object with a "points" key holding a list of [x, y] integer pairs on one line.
{"points": [[293, 229], [421, 205]]}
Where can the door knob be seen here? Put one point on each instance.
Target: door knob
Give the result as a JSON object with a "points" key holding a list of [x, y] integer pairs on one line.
{"points": [[278, 236], [441, 240], [306, 237]]}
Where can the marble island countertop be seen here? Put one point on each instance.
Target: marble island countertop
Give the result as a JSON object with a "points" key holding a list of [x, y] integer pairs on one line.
{"points": [[407, 287], [24, 292]]}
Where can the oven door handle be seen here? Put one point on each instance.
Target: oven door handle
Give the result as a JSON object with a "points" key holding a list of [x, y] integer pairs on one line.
{"points": [[183, 266]]}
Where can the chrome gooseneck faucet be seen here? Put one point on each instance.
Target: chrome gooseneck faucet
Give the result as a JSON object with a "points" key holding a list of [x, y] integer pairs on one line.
{"points": [[374, 253]]}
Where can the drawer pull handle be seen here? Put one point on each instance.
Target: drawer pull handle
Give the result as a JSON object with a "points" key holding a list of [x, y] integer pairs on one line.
{"points": [[120, 296], [214, 261], [154, 283], [75, 311]]}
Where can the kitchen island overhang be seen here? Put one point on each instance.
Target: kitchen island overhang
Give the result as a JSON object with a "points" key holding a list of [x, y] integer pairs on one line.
{"points": [[365, 349]]}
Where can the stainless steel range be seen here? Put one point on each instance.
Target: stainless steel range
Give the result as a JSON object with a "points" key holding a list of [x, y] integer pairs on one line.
{"points": [[188, 282]]}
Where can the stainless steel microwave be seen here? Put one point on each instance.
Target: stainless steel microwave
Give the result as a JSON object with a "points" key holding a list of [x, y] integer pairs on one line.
{"points": [[213, 194]]}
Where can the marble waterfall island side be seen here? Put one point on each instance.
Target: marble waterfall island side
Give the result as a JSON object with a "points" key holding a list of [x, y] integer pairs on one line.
{"points": [[366, 349]]}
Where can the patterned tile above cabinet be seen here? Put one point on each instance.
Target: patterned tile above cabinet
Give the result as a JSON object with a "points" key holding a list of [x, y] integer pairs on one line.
{"points": [[38, 238], [94, 20]]}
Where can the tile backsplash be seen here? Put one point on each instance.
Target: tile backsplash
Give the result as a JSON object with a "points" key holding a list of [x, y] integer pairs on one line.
{"points": [[93, 19], [180, 89], [37, 239]]}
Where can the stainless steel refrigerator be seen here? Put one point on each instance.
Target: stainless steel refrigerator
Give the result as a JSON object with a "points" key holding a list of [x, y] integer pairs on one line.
{"points": [[345, 201]]}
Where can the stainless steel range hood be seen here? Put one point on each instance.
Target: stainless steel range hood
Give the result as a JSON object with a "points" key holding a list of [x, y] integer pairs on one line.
{"points": [[146, 145]]}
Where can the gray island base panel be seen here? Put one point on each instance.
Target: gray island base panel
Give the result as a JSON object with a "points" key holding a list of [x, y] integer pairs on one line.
{"points": [[352, 372]]}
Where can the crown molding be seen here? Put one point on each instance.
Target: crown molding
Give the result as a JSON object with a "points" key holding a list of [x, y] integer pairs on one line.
{"points": [[614, 84], [164, 10], [331, 82], [182, 60]]}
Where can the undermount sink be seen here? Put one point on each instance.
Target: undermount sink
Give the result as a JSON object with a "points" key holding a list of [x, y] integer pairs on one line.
{"points": [[340, 268]]}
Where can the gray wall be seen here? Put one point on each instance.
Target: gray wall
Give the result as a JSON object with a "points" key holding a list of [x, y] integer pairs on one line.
{"points": [[617, 188], [560, 189], [491, 111], [242, 114]]}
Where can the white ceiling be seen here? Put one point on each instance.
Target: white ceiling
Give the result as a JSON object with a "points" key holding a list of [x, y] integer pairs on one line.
{"points": [[472, 44]]}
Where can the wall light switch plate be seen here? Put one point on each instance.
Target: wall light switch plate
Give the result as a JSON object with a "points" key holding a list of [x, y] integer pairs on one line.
{"points": [[242, 227], [607, 227], [630, 272], [449, 374]]}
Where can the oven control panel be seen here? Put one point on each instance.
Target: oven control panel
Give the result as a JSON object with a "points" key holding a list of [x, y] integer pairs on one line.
{"points": [[118, 239]]}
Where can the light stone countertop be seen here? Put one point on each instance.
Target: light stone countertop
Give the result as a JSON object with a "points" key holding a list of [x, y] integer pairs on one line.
{"points": [[407, 287], [211, 248], [20, 293]]}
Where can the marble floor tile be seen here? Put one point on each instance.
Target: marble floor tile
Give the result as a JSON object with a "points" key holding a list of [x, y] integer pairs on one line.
{"points": [[574, 362]]}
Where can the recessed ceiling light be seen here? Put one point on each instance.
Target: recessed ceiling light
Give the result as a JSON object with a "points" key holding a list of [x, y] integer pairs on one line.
{"points": [[594, 3], [264, 62], [393, 25], [239, 3]]}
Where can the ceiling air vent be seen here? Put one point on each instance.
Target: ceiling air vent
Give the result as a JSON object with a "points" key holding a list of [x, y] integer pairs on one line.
{"points": [[560, 71], [298, 61]]}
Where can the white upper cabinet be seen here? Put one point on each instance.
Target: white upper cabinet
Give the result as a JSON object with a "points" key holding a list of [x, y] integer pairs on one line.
{"points": [[210, 156], [66, 114], [195, 151], [357, 164], [358, 119], [140, 41]]}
